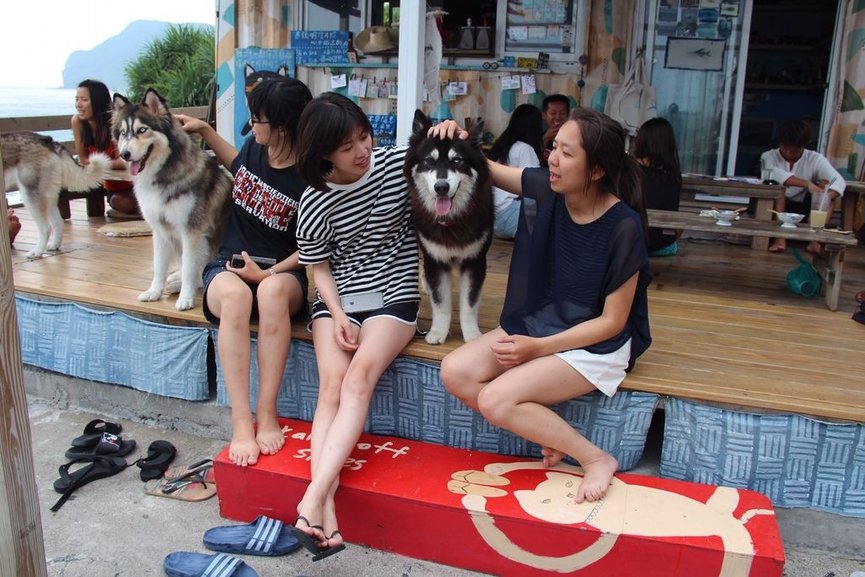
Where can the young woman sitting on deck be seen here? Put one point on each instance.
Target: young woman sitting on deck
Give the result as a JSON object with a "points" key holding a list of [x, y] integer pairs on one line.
{"points": [[575, 315]]}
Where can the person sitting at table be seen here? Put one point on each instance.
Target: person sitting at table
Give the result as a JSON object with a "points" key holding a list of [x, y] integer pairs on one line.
{"points": [[556, 108], [520, 145], [91, 128], [654, 148], [802, 172]]}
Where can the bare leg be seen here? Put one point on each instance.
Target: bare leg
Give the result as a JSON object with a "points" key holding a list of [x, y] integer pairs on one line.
{"points": [[279, 297], [519, 401], [780, 244], [380, 340], [467, 370], [230, 299]]}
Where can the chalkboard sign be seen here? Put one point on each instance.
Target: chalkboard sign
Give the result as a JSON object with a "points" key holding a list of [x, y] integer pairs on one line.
{"points": [[316, 47]]}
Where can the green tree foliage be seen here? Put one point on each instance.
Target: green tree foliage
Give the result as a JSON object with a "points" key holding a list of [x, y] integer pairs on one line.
{"points": [[179, 66]]}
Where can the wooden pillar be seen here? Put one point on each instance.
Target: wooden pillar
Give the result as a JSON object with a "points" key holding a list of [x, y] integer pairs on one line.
{"points": [[21, 543]]}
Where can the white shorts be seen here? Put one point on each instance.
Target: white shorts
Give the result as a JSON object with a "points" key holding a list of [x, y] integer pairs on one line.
{"points": [[606, 372]]}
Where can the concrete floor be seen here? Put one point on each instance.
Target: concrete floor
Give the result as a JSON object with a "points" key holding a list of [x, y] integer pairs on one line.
{"points": [[112, 528]]}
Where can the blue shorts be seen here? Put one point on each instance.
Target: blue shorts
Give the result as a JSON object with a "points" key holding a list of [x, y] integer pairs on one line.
{"points": [[505, 225], [404, 312], [217, 266]]}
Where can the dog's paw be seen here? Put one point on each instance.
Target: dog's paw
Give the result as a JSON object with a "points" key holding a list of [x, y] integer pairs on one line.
{"points": [[436, 337], [185, 303], [149, 296], [470, 334], [34, 254]]}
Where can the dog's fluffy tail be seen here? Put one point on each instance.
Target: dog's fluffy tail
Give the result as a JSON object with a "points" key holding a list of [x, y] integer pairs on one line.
{"points": [[77, 178]]}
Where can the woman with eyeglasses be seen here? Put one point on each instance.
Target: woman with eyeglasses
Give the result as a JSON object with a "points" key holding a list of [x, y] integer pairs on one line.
{"points": [[262, 223]]}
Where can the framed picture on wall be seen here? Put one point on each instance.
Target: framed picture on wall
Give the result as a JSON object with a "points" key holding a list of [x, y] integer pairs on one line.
{"points": [[695, 53]]}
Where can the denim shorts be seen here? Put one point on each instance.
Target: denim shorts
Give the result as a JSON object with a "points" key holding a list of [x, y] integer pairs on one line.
{"points": [[217, 266]]}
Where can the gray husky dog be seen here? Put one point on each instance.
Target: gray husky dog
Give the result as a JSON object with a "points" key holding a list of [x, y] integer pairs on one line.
{"points": [[182, 191], [39, 167]]}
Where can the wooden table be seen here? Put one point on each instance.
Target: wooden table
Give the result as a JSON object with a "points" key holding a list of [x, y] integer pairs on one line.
{"points": [[834, 243], [764, 196]]}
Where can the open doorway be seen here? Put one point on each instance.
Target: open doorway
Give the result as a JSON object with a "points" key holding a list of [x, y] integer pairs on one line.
{"points": [[787, 72]]}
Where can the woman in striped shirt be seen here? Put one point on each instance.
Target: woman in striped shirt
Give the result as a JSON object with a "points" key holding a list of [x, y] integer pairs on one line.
{"points": [[354, 229]]}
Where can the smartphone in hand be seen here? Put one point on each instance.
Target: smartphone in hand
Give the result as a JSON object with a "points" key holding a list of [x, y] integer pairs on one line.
{"points": [[262, 261]]}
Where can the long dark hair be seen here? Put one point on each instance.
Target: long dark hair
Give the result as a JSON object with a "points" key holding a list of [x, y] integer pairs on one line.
{"points": [[604, 142], [655, 143], [281, 100], [325, 124], [526, 125], [100, 102]]}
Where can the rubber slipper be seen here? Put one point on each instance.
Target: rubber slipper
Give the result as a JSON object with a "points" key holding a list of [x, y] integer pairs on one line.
{"points": [[93, 432], [308, 541], [264, 536], [110, 445], [203, 468], [159, 456], [188, 564], [94, 468], [325, 552], [187, 488]]}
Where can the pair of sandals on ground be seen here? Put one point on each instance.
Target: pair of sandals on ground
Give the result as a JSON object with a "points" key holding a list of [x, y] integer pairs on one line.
{"points": [[263, 537], [100, 452]]}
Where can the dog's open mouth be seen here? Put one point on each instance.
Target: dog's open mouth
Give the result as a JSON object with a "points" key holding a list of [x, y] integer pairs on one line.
{"points": [[137, 166], [443, 205]]}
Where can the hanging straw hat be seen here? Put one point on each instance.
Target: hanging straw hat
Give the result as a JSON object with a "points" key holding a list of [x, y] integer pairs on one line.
{"points": [[376, 39]]}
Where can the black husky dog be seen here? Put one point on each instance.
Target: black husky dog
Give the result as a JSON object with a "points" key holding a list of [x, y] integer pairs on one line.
{"points": [[452, 206]]}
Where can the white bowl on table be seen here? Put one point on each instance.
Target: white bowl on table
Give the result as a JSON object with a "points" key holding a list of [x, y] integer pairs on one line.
{"points": [[725, 217], [789, 219]]}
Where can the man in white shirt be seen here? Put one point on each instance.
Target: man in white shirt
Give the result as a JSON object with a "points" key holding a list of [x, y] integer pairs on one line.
{"points": [[802, 172]]}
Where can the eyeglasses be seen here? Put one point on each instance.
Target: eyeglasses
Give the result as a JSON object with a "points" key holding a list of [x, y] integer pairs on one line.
{"points": [[253, 121]]}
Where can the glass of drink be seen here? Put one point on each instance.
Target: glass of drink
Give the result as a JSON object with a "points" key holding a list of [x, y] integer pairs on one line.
{"points": [[819, 209]]}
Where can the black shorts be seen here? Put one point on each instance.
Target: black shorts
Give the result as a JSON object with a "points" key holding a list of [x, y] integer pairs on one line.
{"points": [[217, 266], [404, 312]]}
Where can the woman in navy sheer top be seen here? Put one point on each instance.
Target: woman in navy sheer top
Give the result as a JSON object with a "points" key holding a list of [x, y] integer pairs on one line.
{"points": [[575, 315]]}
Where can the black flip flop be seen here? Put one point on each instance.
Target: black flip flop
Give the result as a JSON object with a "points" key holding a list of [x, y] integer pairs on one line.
{"points": [[325, 552], [308, 541], [109, 445], [93, 432], [159, 455], [94, 468]]}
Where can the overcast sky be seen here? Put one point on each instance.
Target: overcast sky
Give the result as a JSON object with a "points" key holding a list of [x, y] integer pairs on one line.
{"points": [[36, 36]]}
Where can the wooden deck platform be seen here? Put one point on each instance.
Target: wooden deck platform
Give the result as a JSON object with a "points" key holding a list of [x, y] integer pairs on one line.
{"points": [[725, 327]]}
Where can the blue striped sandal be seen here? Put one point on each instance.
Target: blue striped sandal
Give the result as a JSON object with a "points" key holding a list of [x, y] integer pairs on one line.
{"points": [[187, 564], [264, 536]]}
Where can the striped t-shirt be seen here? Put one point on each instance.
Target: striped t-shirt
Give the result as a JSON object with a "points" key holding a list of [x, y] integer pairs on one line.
{"points": [[364, 230]]}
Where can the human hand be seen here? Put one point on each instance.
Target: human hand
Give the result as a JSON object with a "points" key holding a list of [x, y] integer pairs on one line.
{"points": [[448, 129], [190, 123], [513, 350], [345, 332], [250, 271]]}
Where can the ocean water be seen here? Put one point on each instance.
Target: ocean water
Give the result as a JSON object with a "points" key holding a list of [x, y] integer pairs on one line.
{"points": [[16, 101]]}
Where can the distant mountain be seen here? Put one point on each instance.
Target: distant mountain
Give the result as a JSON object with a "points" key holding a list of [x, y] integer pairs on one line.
{"points": [[106, 61]]}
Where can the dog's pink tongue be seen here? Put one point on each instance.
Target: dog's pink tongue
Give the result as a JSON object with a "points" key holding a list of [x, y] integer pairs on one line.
{"points": [[443, 206], [134, 168]]}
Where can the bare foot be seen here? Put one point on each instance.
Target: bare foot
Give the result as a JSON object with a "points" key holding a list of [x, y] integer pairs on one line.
{"points": [[552, 457], [597, 476], [780, 245], [243, 449], [270, 437]]}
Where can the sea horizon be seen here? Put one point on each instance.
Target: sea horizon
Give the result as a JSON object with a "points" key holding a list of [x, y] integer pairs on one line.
{"points": [[22, 101]]}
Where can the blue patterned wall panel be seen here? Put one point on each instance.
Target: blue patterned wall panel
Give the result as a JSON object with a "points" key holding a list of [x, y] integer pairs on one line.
{"points": [[794, 460], [411, 402], [113, 347]]}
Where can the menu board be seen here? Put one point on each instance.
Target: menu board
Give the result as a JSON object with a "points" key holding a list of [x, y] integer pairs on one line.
{"points": [[317, 47]]}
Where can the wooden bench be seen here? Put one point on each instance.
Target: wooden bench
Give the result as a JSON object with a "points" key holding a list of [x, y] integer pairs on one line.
{"points": [[834, 242]]}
